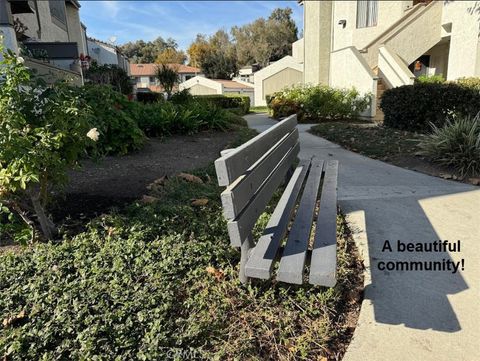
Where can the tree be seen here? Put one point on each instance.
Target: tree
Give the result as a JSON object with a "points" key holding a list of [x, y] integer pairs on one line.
{"points": [[110, 75], [198, 50], [265, 40], [147, 52], [168, 77], [215, 56], [171, 56]]}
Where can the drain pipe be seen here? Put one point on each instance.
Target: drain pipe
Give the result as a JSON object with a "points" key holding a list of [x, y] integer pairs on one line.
{"points": [[39, 32]]}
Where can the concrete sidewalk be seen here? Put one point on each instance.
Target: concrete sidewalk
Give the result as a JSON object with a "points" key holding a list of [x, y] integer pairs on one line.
{"points": [[407, 315]]}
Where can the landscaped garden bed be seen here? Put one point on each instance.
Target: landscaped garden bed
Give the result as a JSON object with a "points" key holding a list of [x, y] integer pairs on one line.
{"points": [[158, 277]]}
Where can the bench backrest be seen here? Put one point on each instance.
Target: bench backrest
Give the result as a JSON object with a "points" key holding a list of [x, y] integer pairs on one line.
{"points": [[252, 173]]}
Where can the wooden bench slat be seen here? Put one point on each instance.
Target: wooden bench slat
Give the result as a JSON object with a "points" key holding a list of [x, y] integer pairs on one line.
{"points": [[293, 258], [241, 226], [238, 194], [233, 164], [324, 255], [263, 255]]}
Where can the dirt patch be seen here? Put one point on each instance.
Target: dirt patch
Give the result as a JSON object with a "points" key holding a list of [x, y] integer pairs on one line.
{"points": [[114, 181]]}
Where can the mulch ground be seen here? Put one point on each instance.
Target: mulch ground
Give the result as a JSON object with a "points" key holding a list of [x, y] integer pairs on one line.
{"points": [[117, 180]]}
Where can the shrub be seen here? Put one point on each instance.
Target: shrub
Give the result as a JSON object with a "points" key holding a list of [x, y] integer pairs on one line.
{"points": [[437, 79], [414, 107], [43, 132], [110, 75], [314, 103], [456, 144], [470, 82], [168, 77], [114, 116], [182, 97], [228, 101], [149, 97]]}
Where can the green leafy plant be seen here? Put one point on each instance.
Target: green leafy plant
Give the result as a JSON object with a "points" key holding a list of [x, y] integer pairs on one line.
{"points": [[469, 82], [110, 75], [436, 79], [159, 278], [456, 144], [228, 101], [43, 132], [318, 103], [168, 77], [115, 118], [415, 107]]}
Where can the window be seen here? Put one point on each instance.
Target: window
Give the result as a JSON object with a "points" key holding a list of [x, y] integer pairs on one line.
{"points": [[189, 77], [58, 13], [367, 13], [153, 80]]}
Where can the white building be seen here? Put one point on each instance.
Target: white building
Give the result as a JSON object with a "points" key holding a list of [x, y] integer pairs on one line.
{"points": [[107, 54], [203, 86]]}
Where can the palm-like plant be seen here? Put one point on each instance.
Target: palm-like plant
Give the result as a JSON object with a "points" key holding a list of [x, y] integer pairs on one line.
{"points": [[456, 144], [168, 77]]}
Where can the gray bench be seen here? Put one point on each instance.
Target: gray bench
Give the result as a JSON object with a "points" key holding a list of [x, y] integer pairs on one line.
{"points": [[252, 173]]}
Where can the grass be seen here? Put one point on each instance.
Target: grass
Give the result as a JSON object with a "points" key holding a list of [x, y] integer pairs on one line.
{"points": [[259, 109], [371, 140], [161, 278]]}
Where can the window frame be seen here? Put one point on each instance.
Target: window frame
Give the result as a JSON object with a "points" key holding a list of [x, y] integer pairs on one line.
{"points": [[369, 15], [61, 23]]}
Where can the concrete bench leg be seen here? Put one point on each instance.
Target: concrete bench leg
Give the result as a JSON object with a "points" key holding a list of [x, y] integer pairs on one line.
{"points": [[245, 253]]}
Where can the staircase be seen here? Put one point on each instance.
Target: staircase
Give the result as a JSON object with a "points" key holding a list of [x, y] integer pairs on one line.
{"points": [[411, 36], [380, 90]]}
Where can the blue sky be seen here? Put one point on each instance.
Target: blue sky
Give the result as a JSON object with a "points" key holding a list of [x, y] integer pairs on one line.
{"points": [[181, 20]]}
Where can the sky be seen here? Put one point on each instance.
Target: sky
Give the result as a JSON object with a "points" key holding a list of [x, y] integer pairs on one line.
{"points": [[180, 20]]}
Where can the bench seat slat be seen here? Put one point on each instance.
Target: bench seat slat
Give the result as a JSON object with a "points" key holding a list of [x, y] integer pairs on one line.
{"points": [[294, 256], [263, 255], [236, 196], [324, 255], [234, 164], [240, 228]]}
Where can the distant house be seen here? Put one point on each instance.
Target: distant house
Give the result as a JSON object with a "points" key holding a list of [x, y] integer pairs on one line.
{"points": [[107, 54], [48, 34], [144, 77], [204, 86], [247, 72]]}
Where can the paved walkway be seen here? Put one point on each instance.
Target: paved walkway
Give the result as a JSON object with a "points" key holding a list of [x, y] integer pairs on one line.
{"points": [[407, 316]]}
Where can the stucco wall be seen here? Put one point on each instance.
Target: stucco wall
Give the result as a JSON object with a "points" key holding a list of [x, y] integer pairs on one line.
{"points": [[103, 54], [317, 38], [49, 30], [75, 32], [280, 80], [50, 73], [349, 69], [298, 50], [388, 13], [276, 83], [462, 58], [199, 89]]}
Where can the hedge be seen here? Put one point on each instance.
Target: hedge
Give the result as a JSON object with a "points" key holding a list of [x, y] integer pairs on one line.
{"points": [[228, 101], [416, 107], [149, 97], [317, 103]]}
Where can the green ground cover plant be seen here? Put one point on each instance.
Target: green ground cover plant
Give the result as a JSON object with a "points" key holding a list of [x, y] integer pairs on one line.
{"points": [[228, 101], [159, 278], [456, 144], [318, 103]]}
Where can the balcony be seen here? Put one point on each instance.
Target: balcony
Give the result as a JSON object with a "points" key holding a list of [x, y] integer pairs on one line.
{"points": [[54, 60]]}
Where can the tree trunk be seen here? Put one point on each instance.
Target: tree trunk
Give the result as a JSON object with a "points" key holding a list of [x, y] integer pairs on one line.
{"points": [[48, 228]]}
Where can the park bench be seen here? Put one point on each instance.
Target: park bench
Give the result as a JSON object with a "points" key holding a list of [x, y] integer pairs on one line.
{"points": [[252, 173]]}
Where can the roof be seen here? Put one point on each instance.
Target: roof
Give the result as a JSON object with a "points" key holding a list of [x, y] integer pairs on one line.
{"points": [[150, 69], [232, 84]]}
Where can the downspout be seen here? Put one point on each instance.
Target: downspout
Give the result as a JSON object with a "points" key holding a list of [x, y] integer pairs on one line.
{"points": [[39, 32]]}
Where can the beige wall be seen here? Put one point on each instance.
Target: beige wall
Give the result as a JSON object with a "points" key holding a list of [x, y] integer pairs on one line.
{"points": [[199, 89], [280, 80], [317, 38], [49, 30], [75, 31], [298, 50], [462, 58], [388, 13]]}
